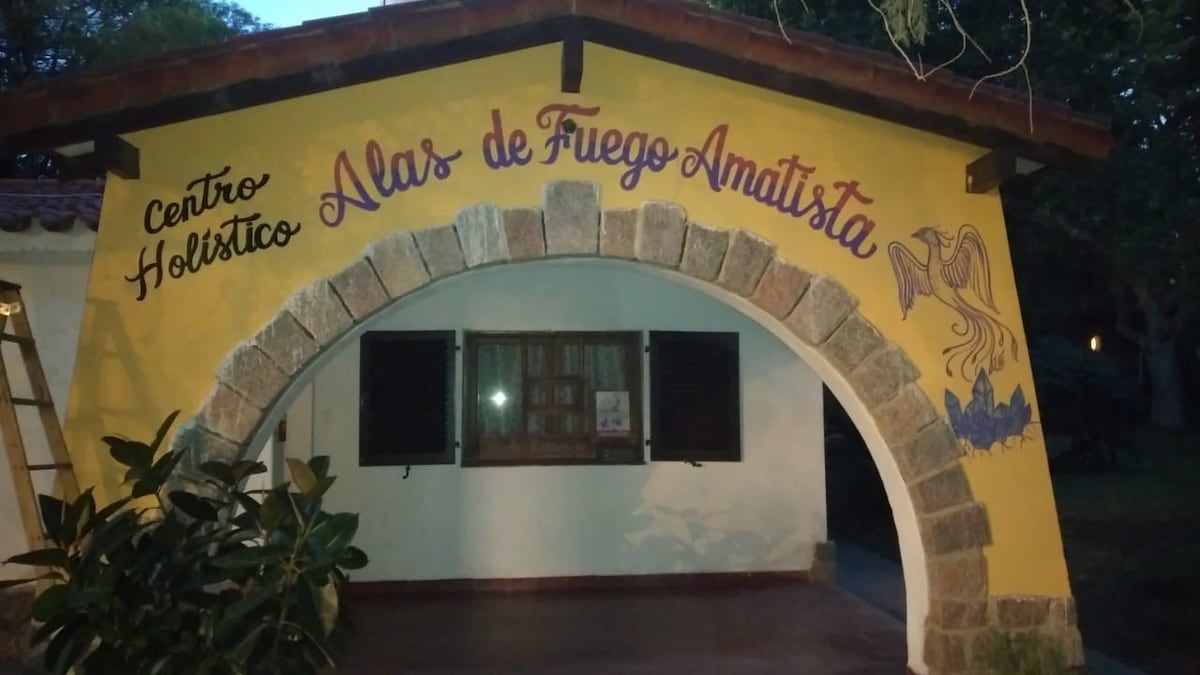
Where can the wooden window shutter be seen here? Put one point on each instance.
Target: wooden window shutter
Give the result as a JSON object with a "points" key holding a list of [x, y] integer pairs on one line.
{"points": [[695, 397], [406, 404]]}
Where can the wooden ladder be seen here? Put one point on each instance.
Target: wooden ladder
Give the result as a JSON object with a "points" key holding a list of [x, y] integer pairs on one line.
{"points": [[12, 309]]}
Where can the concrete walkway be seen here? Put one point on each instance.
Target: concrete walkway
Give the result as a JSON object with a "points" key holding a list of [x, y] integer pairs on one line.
{"points": [[879, 581]]}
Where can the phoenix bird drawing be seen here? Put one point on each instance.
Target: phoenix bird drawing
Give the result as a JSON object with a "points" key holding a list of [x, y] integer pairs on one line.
{"points": [[956, 272]]}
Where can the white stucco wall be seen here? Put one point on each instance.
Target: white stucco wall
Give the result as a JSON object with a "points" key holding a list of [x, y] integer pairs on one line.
{"points": [[52, 269], [765, 513]]}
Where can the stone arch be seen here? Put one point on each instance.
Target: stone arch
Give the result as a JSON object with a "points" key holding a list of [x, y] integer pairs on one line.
{"points": [[815, 314]]}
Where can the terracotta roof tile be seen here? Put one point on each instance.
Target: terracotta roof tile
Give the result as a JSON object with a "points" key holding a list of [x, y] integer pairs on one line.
{"points": [[53, 205]]}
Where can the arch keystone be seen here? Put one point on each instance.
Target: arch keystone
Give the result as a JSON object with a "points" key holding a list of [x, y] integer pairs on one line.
{"points": [[481, 235], [823, 307], [704, 249], [572, 217], [618, 233], [524, 233], [745, 263], [441, 250], [660, 233], [320, 311]]}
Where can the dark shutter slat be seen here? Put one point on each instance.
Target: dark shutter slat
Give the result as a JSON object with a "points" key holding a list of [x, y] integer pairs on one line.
{"points": [[407, 398], [695, 397]]}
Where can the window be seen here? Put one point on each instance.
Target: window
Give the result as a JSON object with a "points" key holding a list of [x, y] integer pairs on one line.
{"points": [[406, 412], [695, 397], [552, 398]]}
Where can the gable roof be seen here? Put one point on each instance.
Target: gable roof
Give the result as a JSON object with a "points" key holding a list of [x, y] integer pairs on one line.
{"points": [[392, 40]]}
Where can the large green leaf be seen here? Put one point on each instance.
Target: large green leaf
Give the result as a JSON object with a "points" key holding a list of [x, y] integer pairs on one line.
{"points": [[50, 602], [129, 452], [252, 557], [52, 509], [194, 506], [234, 614], [336, 532], [161, 434], [219, 470], [353, 559], [45, 557], [246, 468], [79, 511], [302, 475], [320, 465]]}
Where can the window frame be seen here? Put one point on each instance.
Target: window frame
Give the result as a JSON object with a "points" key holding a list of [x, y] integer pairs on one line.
{"points": [[736, 452], [448, 454], [471, 397]]}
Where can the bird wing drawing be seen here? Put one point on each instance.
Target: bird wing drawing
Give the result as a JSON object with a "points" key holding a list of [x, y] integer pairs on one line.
{"points": [[947, 279], [912, 276], [968, 266]]}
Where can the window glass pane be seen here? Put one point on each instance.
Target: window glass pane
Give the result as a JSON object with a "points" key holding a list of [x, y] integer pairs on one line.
{"points": [[605, 367], [568, 358], [499, 394], [537, 359]]}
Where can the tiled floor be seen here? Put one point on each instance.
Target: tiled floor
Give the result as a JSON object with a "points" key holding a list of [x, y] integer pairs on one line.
{"points": [[794, 629]]}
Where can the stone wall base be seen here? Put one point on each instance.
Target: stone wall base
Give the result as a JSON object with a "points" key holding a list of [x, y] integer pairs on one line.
{"points": [[961, 635]]}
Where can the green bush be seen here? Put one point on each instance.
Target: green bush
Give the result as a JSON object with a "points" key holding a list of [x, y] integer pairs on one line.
{"points": [[1020, 654], [206, 581]]}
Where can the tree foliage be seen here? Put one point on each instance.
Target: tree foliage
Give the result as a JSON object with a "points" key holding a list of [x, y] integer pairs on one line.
{"points": [[1120, 234]]}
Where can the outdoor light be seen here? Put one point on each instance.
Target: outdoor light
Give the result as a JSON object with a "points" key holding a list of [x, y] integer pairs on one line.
{"points": [[498, 399], [1094, 343], [10, 308]]}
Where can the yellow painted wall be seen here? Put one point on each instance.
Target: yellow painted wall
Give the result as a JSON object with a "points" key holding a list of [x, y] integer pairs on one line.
{"points": [[140, 359]]}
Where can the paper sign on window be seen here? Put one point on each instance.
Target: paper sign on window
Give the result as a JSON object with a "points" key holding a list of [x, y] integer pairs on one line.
{"points": [[612, 413]]}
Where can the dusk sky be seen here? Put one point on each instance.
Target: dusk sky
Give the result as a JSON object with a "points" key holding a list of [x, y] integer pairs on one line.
{"points": [[284, 13]]}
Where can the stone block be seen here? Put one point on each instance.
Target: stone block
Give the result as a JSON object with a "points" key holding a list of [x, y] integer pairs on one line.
{"points": [[1071, 642], [945, 652], [825, 305], [398, 264], [320, 311], [482, 236], [958, 576], [951, 614], [780, 288], [961, 529], [824, 564], [286, 343], [903, 416], [524, 234], [748, 257], [618, 233], [703, 250], [933, 448], [229, 414], [16, 604], [851, 343], [945, 489], [1062, 613], [252, 373], [572, 216], [1021, 611], [360, 290], [882, 375], [660, 234], [202, 445], [441, 251]]}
